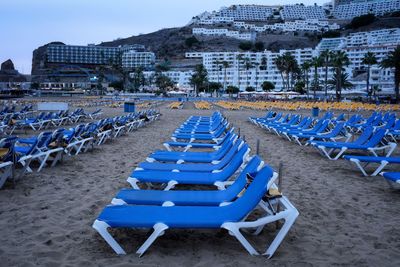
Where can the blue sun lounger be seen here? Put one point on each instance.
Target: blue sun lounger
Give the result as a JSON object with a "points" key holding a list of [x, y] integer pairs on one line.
{"points": [[368, 141], [382, 161], [198, 157], [189, 197], [231, 217], [393, 177], [187, 145], [174, 177], [235, 151]]}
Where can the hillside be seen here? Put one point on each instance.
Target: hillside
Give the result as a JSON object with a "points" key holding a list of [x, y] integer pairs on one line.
{"points": [[170, 43]]}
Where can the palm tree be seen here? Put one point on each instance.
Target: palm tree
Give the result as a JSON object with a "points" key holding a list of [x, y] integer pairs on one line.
{"points": [[239, 62], [225, 65], [392, 61], [279, 62], [326, 57], [256, 67], [339, 61], [305, 67], [316, 62], [344, 80], [369, 59], [247, 65]]}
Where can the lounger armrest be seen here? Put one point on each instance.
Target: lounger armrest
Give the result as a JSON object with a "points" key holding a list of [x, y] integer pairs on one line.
{"points": [[391, 146]]}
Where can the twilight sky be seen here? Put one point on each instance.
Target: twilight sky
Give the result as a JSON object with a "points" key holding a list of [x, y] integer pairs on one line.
{"points": [[28, 24]]}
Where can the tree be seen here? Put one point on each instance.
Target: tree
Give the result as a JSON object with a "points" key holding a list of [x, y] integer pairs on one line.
{"points": [[316, 62], [138, 78], [339, 60], [267, 86], [247, 65], [392, 61], [369, 59], [225, 65], [326, 58], [299, 87], [362, 20], [239, 59], [259, 46], [213, 86], [232, 90], [199, 78], [117, 85], [189, 42], [342, 78], [250, 89], [163, 82], [245, 46], [280, 65], [305, 67]]}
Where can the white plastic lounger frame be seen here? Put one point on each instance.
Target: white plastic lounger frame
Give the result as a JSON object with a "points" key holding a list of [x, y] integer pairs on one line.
{"points": [[78, 146], [328, 153], [103, 136], [382, 165], [54, 155], [134, 182], [288, 213]]}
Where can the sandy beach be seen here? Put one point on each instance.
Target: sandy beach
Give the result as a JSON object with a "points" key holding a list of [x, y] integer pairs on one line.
{"points": [[345, 219]]}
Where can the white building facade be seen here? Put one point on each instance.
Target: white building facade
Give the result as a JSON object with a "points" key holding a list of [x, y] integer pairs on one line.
{"points": [[260, 66], [378, 7]]}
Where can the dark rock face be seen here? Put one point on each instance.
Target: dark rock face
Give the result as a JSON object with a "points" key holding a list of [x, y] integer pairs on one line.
{"points": [[7, 65], [9, 74]]}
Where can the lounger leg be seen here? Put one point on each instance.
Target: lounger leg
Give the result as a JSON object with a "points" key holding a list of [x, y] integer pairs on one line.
{"points": [[234, 230], [133, 182], [380, 168], [340, 153], [43, 162], [357, 162], [171, 184], [159, 230], [101, 228], [289, 221]]}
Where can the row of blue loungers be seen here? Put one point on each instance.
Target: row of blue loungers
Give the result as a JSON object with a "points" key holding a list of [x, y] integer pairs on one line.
{"points": [[331, 136], [48, 148], [242, 184]]}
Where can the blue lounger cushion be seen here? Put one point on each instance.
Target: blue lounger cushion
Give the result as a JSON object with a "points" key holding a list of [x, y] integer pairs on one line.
{"points": [[198, 167], [392, 176], [189, 177], [190, 198], [189, 216]]}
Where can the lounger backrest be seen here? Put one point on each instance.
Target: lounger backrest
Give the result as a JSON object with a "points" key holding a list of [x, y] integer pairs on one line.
{"points": [[251, 197], [231, 153], [323, 126], [233, 165], [340, 117], [365, 136], [396, 126], [241, 181], [376, 138], [338, 129], [44, 140]]}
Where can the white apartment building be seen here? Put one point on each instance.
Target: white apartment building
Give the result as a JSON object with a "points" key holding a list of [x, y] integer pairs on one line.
{"points": [[290, 26], [299, 11], [133, 59], [248, 12], [378, 7], [247, 36], [262, 67], [180, 78]]}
